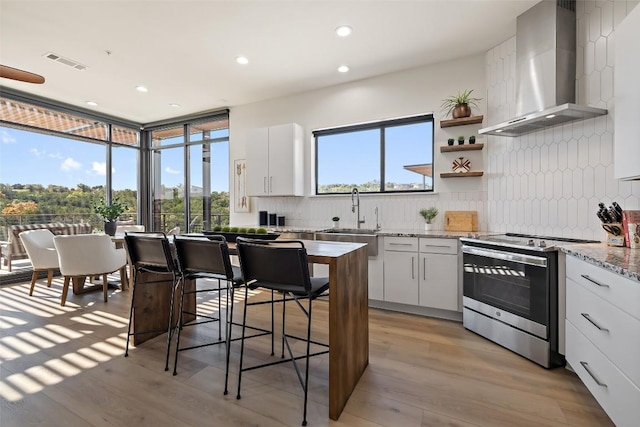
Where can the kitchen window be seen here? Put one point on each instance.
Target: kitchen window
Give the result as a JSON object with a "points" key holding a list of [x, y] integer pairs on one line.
{"points": [[390, 156]]}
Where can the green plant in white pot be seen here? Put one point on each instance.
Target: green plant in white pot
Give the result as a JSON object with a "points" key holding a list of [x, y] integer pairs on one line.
{"points": [[109, 212], [428, 214], [336, 221]]}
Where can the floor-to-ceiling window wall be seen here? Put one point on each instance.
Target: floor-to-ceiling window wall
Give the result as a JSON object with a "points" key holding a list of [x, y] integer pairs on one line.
{"points": [[55, 163]]}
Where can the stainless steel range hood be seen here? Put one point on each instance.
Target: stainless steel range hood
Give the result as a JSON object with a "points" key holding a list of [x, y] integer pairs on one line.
{"points": [[545, 71]]}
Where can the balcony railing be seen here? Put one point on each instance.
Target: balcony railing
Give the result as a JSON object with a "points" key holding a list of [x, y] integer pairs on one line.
{"points": [[164, 221]]}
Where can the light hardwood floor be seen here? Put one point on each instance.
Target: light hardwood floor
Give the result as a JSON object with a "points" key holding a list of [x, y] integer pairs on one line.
{"points": [[65, 366]]}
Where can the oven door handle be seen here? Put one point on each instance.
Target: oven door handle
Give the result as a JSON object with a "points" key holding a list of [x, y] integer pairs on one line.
{"points": [[505, 256]]}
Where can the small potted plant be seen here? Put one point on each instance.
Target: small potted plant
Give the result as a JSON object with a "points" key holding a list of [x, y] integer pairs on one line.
{"points": [[472, 139], [428, 214], [459, 106], [109, 212], [336, 221], [450, 141], [460, 140]]}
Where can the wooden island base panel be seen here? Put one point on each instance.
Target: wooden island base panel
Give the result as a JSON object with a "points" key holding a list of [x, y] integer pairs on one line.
{"points": [[153, 301]]}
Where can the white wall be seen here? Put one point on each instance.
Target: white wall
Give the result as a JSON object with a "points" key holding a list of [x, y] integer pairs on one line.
{"points": [[547, 182], [405, 93], [550, 182]]}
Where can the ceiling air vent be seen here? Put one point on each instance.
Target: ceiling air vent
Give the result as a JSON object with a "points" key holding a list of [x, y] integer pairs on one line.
{"points": [[65, 61]]}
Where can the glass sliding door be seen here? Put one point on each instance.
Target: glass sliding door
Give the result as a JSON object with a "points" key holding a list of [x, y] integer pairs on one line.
{"points": [[168, 189], [124, 179], [191, 175]]}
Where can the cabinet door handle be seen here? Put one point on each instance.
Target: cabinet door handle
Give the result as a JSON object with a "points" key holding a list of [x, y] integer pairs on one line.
{"points": [[264, 185], [413, 270], [586, 316], [270, 184], [594, 281], [424, 268], [585, 365], [399, 244]]}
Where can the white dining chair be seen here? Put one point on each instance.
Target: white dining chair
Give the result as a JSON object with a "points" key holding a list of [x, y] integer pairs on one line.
{"points": [[88, 255], [42, 254]]}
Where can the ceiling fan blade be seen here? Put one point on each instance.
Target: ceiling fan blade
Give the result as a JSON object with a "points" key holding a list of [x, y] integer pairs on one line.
{"points": [[21, 75]]}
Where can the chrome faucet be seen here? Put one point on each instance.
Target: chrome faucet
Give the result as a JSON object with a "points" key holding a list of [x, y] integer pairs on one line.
{"points": [[355, 205]]}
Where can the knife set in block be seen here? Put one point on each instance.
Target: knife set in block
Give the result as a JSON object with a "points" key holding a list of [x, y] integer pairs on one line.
{"points": [[615, 233]]}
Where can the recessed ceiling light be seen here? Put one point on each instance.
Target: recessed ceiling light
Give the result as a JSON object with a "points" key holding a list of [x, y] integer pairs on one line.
{"points": [[174, 105], [242, 60], [343, 68], [92, 103], [142, 89], [343, 31], [551, 116]]}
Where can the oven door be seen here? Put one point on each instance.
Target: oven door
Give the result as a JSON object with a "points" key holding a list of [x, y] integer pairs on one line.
{"points": [[516, 283]]}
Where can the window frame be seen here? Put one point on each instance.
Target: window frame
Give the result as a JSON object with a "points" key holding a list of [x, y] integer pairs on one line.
{"points": [[381, 126]]}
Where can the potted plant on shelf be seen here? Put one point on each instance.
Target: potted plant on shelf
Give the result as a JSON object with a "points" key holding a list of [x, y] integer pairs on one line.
{"points": [[450, 141], [460, 140], [109, 212], [472, 139], [428, 214], [336, 221], [459, 106]]}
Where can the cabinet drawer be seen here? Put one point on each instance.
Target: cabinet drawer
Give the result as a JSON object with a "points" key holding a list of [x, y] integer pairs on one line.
{"points": [[403, 244], [619, 291], [615, 393], [615, 333], [438, 246]]}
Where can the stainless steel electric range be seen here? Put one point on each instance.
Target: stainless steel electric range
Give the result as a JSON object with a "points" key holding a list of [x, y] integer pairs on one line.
{"points": [[510, 292]]}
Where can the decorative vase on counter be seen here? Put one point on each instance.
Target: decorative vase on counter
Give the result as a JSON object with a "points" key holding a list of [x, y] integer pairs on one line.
{"points": [[110, 227], [428, 226], [336, 224]]}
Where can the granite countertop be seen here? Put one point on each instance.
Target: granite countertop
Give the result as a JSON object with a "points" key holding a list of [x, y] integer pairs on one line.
{"points": [[623, 261], [417, 232]]}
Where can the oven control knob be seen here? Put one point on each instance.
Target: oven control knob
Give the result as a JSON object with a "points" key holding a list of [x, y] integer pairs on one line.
{"points": [[531, 243], [542, 244]]}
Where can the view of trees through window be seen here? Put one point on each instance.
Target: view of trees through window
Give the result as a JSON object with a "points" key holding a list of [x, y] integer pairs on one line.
{"points": [[48, 178]]}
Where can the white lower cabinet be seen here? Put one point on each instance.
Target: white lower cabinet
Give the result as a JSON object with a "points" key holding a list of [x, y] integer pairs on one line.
{"points": [[401, 277], [439, 270], [421, 271], [376, 284], [603, 337]]}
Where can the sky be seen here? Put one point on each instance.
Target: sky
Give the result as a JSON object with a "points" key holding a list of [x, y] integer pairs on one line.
{"points": [[34, 158]]}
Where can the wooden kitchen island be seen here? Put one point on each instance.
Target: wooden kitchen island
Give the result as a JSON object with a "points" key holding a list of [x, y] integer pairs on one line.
{"points": [[348, 313]]}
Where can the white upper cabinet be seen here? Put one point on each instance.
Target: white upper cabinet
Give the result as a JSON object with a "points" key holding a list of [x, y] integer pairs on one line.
{"points": [[275, 161], [627, 89]]}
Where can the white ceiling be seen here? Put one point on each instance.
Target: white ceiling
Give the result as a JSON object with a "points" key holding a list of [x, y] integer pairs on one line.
{"points": [[184, 51]]}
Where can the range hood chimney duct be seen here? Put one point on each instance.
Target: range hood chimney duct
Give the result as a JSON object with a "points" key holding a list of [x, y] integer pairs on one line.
{"points": [[545, 71]]}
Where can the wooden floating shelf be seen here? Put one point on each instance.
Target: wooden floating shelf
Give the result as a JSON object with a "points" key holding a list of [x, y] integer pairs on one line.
{"points": [[466, 147], [460, 174], [460, 122]]}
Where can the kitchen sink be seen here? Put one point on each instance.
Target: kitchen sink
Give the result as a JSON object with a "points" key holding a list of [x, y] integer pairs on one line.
{"points": [[356, 235]]}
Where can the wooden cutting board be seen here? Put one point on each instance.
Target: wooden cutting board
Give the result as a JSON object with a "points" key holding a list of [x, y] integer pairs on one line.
{"points": [[461, 221]]}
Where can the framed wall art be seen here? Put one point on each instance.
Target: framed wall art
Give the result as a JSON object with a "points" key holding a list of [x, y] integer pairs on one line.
{"points": [[241, 199]]}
